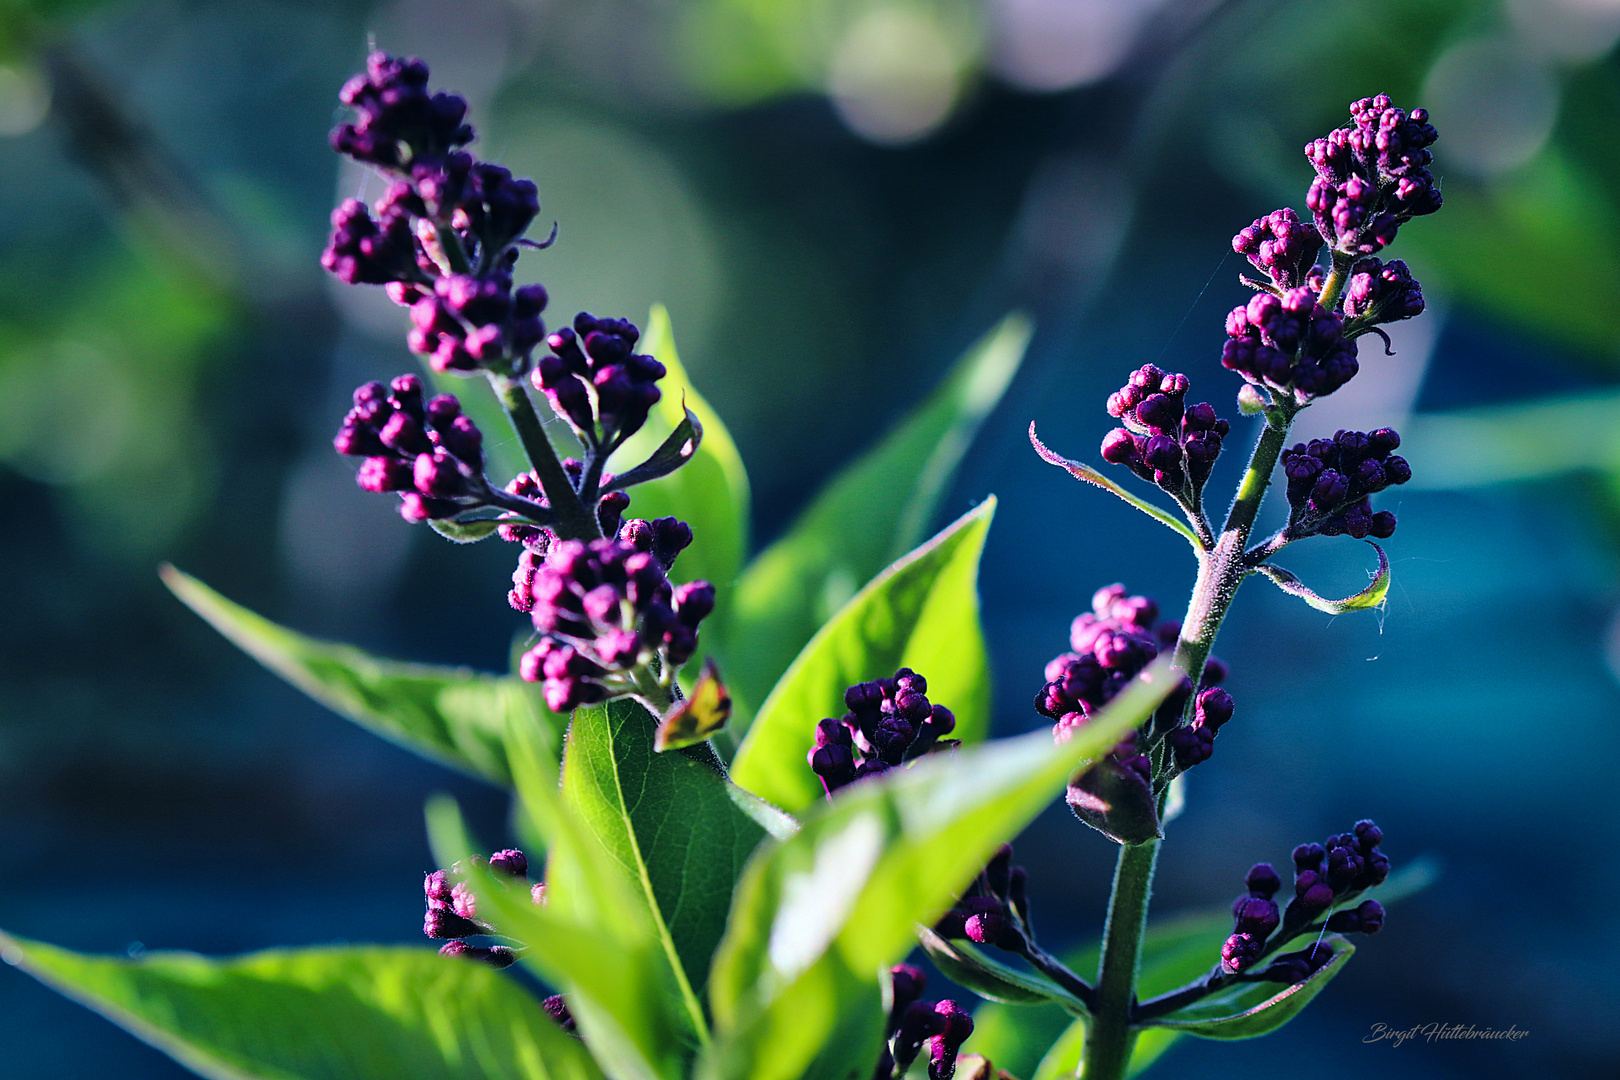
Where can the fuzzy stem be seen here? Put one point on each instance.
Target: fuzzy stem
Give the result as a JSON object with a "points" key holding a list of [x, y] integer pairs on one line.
{"points": [[1110, 1037], [574, 521]]}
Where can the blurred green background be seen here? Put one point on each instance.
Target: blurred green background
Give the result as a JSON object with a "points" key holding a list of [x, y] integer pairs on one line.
{"points": [[833, 197]]}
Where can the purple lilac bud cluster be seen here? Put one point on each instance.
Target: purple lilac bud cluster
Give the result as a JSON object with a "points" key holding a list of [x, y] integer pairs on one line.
{"points": [[1329, 481], [889, 722], [445, 235], [1192, 744], [1381, 292], [1164, 440], [1372, 177], [1112, 644], [1281, 247], [1324, 876], [597, 381], [432, 452], [941, 1025], [1289, 342], [605, 608], [994, 909], [452, 910]]}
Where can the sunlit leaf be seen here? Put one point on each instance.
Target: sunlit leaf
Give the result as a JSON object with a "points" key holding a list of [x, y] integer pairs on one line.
{"points": [[893, 491], [456, 716], [676, 450], [922, 612], [464, 532], [670, 826], [991, 979], [339, 1013], [1085, 473], [1247, 1010]]}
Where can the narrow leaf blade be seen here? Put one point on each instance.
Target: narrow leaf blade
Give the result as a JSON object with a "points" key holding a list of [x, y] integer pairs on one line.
{"points": [[455, 716], [921, 612], [1249, 1010], [339, 1013], [675, 451], [992, 979], [1373, 596], [1083, 472], [791, 588], [464, 532]]}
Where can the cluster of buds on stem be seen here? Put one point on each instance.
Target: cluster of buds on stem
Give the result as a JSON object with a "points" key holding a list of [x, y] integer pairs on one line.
{"points": [[598, 382], [889, 722], [1329, 481], [1164, 441], [943, 1026], [445, 237], [1325, 877], [608, 616], [452, 909], [1112, 645], [1372, 177], [430, 452], [1289, 342]]}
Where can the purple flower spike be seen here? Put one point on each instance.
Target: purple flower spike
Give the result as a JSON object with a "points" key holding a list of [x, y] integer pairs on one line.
{"points": [[1372, 177], [597, 382], [1380, 292], [1290, 343], [1329, 481]]}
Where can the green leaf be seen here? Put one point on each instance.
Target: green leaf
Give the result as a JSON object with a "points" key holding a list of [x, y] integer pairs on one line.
{"points": [[671, 827], [922, 612], [710, 492], [676, 450], [464, 532], [893, 491], [609, 968], [817, 918], [990, 978], [455, 716], [1248, 1010], [1372, 596], [1083, 472], [339, 1013]]}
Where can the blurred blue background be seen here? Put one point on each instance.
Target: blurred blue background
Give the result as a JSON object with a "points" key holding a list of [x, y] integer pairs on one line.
{"points": [[834, 197]]}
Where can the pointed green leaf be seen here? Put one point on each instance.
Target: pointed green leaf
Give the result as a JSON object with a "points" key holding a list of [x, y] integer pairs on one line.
{"points": [[1248, 1010], [991, 979], [893, 490], [709, 492], [610, 972], [676, 450], [464, 532], [455, 716], [340, 1013], [839, 901], [923, 613], [1372, 596], [671, 826]]}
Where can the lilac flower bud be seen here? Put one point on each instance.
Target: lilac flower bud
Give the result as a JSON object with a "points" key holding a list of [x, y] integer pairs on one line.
{"points": [[917, 1023], [907, 984], [1280, 246], [1262, 881], [954, 1026], [1299, 966], [444, 923], [1329, 481], [511, 862], [557, 1009], [1163, 441], [1255, 916], [1239, 953]]}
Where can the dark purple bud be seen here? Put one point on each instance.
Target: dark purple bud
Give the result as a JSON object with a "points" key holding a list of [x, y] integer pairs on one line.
{"points": [[1214, 708], [954, 1025], [557, 1009], [496, 956], [1239, 953], [1309, 857], [1262, 881], [444, 923], [1255, 916], [379, 474], [511, 862]]}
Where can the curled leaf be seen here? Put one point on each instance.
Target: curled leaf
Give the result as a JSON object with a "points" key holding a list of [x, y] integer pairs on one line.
{"points": [[1250, 1009], [463, 532], [671, 454], [993, 980], [700, 716], [1373, 596], [1081, 471]]}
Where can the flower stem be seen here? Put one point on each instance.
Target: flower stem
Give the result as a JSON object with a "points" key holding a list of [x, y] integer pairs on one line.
{"points": [[1110, 1037], [574, 521], [1221, 569]]}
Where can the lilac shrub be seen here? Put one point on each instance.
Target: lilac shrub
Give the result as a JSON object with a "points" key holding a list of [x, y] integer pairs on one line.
{"points": [[732, 884]]}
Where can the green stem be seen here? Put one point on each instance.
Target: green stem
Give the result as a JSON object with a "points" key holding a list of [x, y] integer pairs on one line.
{"points": [[574, 521], [1221, 569], [1109, 1036]]}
